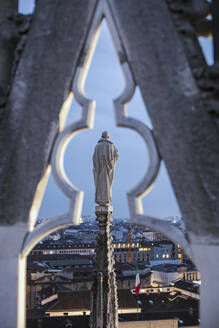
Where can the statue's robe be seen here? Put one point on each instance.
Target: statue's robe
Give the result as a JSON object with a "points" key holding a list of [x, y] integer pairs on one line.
{"points": [[104, 161]]}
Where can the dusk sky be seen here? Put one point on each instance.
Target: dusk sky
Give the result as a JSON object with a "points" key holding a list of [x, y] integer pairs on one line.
{"points": [[104, 83]]}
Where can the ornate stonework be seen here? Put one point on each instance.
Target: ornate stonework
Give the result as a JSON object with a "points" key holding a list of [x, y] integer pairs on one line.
{"points": [[190, 19], [104, 304]]}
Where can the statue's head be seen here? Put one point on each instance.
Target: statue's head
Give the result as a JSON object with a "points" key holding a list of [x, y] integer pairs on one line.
{"points": [[105, 135]]}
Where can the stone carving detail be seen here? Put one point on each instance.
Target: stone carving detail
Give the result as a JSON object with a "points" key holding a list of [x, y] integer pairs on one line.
{"points": [[191, 15], [13, 35], [104, 302], [23, 23], [208, 81], [190, 18], [104, 162]]}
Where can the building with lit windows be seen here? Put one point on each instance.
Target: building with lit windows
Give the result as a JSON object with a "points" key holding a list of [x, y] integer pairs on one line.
{"points": [[124, 252]]}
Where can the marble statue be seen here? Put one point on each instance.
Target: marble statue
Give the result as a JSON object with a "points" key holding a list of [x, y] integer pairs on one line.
{"points": [[104, 162]]}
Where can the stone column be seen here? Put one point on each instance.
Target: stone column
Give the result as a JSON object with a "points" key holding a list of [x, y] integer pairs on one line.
{"points": [[104, 304], [13, 276]]}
